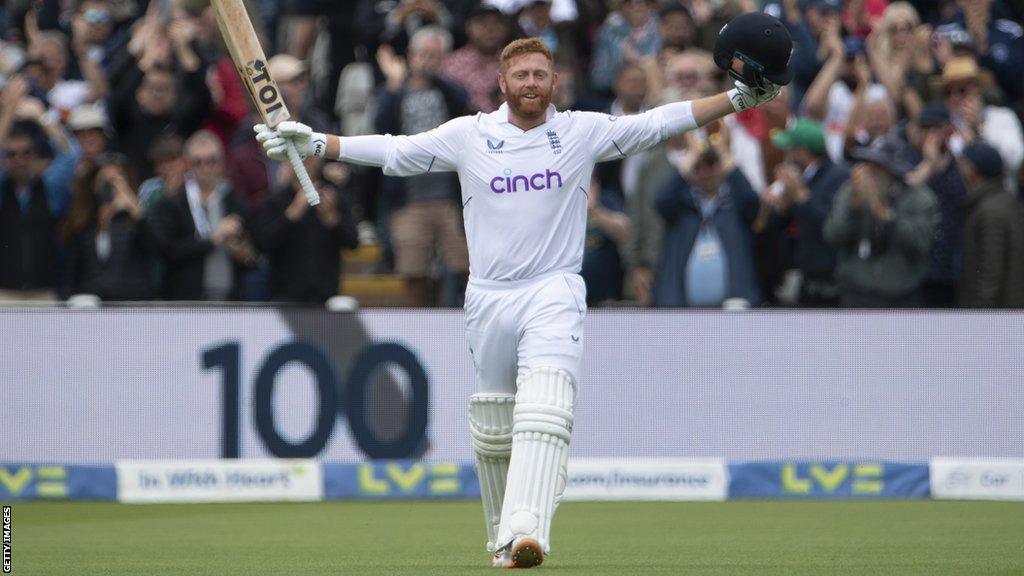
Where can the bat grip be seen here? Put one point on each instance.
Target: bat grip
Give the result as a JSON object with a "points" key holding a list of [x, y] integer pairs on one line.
{"points": [[300, 172]]}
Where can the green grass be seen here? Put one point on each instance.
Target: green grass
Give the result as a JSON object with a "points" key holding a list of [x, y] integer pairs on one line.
{"points": [[418, 538]]}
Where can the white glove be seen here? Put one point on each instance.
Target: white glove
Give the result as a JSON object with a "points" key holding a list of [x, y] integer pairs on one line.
{"points": [[307, 143], [744, 97]]}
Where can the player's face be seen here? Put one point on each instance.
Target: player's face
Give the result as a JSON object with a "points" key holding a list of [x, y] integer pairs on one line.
{"points": [[528, 85]]}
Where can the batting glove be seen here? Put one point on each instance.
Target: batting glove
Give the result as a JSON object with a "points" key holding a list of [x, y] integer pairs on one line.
{"points": [[744, 97], [307, 143]]}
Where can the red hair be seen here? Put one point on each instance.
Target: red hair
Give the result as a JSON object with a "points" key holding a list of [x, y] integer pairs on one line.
{"points": [[522, 47]]}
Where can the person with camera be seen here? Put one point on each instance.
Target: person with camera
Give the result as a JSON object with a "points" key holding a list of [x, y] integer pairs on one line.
{"points": [[110, 247], [302, 243], [882, 229]]}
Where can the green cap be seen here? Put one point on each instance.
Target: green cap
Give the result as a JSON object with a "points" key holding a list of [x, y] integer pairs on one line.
{"points": [[804, 133]]}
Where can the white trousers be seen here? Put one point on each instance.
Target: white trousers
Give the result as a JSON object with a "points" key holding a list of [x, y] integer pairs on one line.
{"points": [[515, 327]]}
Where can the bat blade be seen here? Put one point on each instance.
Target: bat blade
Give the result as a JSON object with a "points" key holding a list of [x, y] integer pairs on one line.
{"points": [[251, 63]]}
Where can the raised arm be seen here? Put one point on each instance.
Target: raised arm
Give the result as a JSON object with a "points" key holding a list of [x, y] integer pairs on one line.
{"points": [[613, 137], [436, 150]]}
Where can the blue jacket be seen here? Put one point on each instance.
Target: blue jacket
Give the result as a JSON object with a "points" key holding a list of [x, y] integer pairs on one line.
{"points": [[732, 220], [812, 255]]}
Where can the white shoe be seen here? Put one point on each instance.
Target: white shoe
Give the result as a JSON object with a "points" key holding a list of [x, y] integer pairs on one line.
{"points": [[502, 558]]}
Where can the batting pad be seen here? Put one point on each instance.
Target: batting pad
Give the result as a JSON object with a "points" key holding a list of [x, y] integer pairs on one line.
{"points": [[540, 446], [490, 420]]}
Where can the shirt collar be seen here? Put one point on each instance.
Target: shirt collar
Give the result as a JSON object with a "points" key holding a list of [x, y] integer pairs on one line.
{"points": [[501, 114]]}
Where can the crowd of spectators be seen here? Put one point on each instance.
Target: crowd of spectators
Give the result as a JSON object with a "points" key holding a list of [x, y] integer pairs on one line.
{"points": [[887, 174]]}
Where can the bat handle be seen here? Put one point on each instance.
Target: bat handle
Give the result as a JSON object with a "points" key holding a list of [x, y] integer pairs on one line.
{"points": [[300, 172]]}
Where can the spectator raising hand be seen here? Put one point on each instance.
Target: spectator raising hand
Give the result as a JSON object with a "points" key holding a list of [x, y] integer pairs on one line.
{"points": [[33, 194], [393, 67]]}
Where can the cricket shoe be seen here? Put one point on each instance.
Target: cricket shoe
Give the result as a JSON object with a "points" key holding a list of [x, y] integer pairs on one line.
{"points": [[502, 558]]}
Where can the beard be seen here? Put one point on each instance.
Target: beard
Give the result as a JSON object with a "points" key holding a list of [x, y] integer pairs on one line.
{"points": [[530, 108]]}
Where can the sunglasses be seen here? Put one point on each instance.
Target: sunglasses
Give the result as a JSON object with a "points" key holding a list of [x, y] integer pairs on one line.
{"points": [[900, 28]]}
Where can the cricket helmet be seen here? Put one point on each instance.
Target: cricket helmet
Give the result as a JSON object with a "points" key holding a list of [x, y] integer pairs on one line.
{"points": [[762, 43]]}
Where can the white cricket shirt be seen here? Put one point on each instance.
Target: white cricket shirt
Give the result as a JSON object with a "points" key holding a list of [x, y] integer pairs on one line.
{"points": [[524, 193]]}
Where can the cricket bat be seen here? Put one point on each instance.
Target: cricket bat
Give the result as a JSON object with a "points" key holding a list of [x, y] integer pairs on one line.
{"points": [[251, 63]]}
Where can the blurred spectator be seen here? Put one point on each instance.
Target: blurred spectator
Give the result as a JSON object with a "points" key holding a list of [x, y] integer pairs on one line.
{"points": [[110, 247], [899, 51], [809, 29], [476, 66], [33, 194], [677, 29], [560, 37], [292, 77], [619, 176], [150, 98], [94, 36], [607, 227], [802, 195], [93, 44], [973, 120], [998, 41], [49, 50], [928, 136], [168, 158], [684, 76], [993, 271], [423, 210], [169, 166], [629, 33], [843, 81], [304, 243], [201, 232], [641, 252], [860, 16], [229, 102], [570, 95], [882, 230], [92, 130], [707, 254], [405, 19]]}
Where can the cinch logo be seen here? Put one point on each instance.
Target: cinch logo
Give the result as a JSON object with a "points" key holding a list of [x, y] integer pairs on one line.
{"points": [[538, 181]]}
